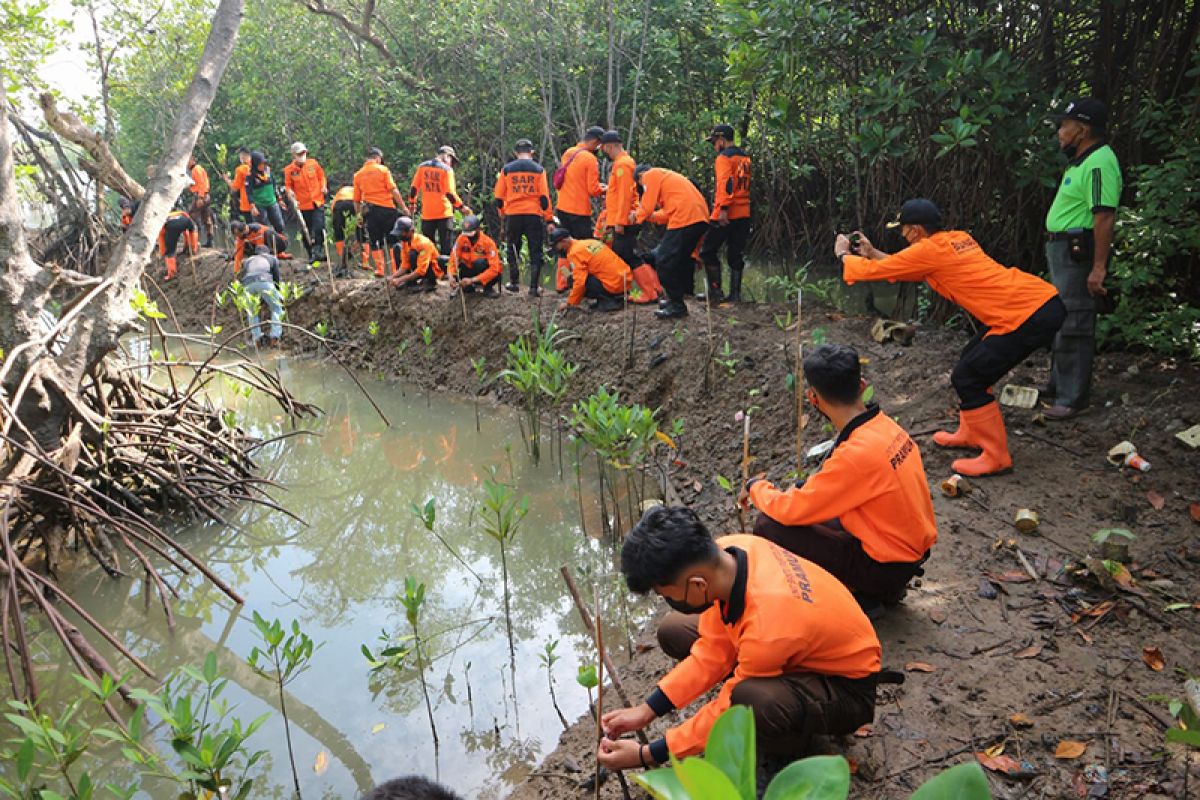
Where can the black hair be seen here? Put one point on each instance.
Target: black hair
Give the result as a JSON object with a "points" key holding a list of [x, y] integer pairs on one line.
{"points": [[641, 170], [243, 149], [666, 541], [410, 787], [259, 175], [834, 372], [237, 225]]}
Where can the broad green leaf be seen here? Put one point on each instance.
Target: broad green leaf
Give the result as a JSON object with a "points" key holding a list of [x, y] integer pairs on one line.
{"points": [[663, 784], [815, 778], [730, 748], [704, 781], [963, 782]]}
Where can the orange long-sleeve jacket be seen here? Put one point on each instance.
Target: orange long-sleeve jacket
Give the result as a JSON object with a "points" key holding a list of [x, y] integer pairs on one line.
{"points": [[426, 253], [467, 251], [678, 197], [590, 257], [307, 182], [791, 616], [621, 198], [873, 482], [256, 235], [374, 184], [238, 185], [733, 183], [955, 266], [344, 193], [434, 182], [581, 182], [201, 186], [522, 188]]}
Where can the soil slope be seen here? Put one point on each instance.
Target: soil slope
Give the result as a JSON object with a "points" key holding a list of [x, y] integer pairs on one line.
{"points": [[981, 641]]}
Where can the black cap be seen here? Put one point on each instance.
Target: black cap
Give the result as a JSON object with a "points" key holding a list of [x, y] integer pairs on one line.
{"points": [[1086, 109], [917, 211], [720, 130], [558, 234], [610, 137], [523, 146], [640, 170], [470, 224], [374, 152], [403, 225], [594, 132]]}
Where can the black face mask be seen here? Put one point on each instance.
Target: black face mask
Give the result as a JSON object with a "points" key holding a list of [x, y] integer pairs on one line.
{"points": [[684, 607], [1069, 150]]}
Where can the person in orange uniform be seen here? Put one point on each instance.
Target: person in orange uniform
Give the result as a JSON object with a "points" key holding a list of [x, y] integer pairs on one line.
{"points": [[523, 198], [866, 516], [729, 225], [417, 256], [248, 238], [433, 183], [201, 210], [784, 636], [376, 200], [128, 209], [475, 261], [341, 210], [672, 198], [596, 272], [237, 186], [178, 226], [620, 199], [1019, 313], [578, 183], [304, 181]]}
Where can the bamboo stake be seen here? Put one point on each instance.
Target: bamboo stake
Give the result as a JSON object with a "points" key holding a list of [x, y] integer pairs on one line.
{"points": [[462, 295], [799, 382], [745, 465], [587, 624]]}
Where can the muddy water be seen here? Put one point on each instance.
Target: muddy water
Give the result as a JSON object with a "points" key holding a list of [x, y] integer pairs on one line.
{"points": [[339, 572]]}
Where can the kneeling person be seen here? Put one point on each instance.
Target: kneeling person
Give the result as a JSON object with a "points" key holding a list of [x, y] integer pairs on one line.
{"points": [[415, 256], [802, 654], [596, 272], [474, 258], [866, 516]]}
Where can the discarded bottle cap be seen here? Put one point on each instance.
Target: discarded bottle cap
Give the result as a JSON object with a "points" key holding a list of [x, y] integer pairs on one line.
{"points": [[1026, 520], [1135, 461], [1018, 396], [1119, 451], [955, 485]]}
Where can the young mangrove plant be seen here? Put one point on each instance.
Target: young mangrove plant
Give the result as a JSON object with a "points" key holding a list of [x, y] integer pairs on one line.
{"points": [[282, 659], [539, 372], [587, 678], [427, 514], [502, 514], [414, 602], [549, 658]]}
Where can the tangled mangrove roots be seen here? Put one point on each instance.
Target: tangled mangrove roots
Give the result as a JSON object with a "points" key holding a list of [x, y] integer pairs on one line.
{"points": [[137, 446]]}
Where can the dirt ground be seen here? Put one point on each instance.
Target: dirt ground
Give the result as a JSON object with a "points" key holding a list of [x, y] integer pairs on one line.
{"points": [[980, 640]]}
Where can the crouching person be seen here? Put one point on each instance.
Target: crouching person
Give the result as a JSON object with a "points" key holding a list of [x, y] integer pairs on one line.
{"points": [[260, 278], [596, 272], [785, 637], [866, 516], [475, 261], [414, 257]]}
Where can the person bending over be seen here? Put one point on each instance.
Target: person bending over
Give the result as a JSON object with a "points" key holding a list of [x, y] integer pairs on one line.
{"points": [[803, 656], [596, 272], [475, 261], [866, 516], [415, 256]]}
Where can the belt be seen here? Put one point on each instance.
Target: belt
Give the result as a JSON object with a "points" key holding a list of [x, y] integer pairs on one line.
{"points": [[1061, 236]]}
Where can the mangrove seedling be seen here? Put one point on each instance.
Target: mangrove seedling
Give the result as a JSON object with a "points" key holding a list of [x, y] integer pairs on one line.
{"points": [[321, 329], [549, 658], [427, 514], [727, 359], [373, 328], [539, 372], [501, 516], [284, 657], [427, 338], [586, 677], [414, 601]]}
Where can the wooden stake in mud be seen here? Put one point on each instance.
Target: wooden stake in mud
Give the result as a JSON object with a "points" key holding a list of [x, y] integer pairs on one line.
{"points": [[599, 679], [799, 382], [745, 464], [462, 296], [329, 264]]}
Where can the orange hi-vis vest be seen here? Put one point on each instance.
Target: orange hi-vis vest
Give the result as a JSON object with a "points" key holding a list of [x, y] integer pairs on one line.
{"points": [[681, 202], [581, 182], [468, 251], [590, 257], [955, 266], [733, 183], [873, 482], [434, 182], [621, 198], [522, 188], [791, 616], [373, 184], [238, 185], [307, 182]]}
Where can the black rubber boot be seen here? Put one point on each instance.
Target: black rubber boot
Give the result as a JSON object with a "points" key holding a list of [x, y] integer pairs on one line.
{"points": [[735, 286]]}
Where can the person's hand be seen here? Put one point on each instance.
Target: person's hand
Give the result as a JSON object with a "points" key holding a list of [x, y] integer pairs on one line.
{"points": [[620, 754], [620, 229], [743, 498], [626, 720], [455, 282], [633, 218], [466, 210], [563, 306], [864, 246], [604, 187], [254, 209], [841, 245], [723, 217], [1095, 281]]}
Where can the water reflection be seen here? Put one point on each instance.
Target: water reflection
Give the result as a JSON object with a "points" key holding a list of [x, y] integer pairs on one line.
{"points": [[340, 570]]}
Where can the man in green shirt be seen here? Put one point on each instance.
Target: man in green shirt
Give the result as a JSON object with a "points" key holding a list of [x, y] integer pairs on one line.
{"points": [[1079, 235]]}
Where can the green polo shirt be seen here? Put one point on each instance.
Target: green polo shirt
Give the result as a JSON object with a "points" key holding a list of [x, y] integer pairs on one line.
{"points": [[1091, 183]]}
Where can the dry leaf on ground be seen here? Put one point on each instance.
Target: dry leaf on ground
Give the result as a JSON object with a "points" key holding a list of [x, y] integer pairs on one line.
{"points": [[1020, 721], [919, 666], [1194, 510], [1156, 500], [1006, 765], [1153, 658], [865, 731], [1070, 749], [1033, 651], [937, 615]]}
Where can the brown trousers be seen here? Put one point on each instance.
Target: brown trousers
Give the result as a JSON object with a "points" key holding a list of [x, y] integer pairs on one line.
{"points": [[792, 708], [841, 553]]}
